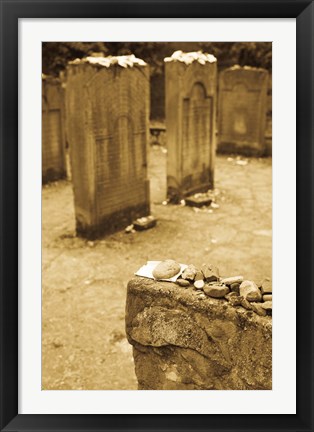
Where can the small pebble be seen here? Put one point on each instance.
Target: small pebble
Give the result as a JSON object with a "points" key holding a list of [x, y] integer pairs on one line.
{"points": [[266, 286], [144, 223], [242, 162], [267, 297], [199, 276], [258, 308], [234, 299], [199, 284], [183, 282], [189, 273], [250, 291], [246, 304], [268, 305], [235, 287], [230, 295], [211, 273], [129, 229], [232, 280], [166, 269], [216, 291]]}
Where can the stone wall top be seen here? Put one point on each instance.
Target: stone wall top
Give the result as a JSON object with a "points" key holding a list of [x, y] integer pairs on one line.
{"points": [[123, 61], [193, 300], [191, 57]]}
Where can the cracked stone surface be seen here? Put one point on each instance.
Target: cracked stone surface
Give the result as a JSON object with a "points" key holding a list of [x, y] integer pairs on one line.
{"points": [[183, 342]]}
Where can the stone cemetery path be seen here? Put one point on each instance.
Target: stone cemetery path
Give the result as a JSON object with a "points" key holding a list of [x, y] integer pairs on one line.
{"points": [[84, 283]]}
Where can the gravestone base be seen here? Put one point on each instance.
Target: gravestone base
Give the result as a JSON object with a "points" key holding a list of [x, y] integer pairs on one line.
{"points": [[193, 201], [52, 175], [182, 341], [175, 195], [112, 223], [226, 147]]}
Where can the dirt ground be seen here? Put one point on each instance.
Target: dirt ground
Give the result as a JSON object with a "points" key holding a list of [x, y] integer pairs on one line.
{"points": [[84, 283]]}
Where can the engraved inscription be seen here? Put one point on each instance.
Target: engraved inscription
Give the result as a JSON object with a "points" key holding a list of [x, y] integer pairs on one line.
{"points": [[196, 131]]}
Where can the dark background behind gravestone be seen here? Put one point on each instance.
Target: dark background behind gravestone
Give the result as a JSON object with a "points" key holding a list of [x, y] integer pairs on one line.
{"points": [[55, 56]]}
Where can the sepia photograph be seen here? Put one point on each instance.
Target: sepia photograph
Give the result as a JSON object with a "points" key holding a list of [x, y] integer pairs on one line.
{"points": [[156, 216]]}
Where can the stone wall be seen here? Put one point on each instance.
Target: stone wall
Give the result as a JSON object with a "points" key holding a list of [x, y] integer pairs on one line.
{"points": [[107, 129], [53, 131], [185, 340]]}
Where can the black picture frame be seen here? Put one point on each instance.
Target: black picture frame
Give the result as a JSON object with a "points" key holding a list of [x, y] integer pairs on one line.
{"points": [[11, 11]]}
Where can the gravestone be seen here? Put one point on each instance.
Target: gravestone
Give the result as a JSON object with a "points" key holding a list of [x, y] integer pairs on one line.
{"points": [[242, 110], [190, 122], [107, 103], [53, 133]]}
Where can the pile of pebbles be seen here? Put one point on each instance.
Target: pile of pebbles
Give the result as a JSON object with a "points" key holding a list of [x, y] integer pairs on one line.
{"points": [[123, 61], [141, 224], [190, 57], [235, 289], [200, 200]]}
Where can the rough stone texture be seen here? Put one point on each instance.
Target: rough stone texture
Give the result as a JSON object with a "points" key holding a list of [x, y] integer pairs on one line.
{"points": [[242, 110], [235, 287], [268, 305], [216, 291], [184, 341], [250, 291], [211, 273], [183, 282], [166, 269], [189, 273], [107, 127], [266, 286], [53, 131], [190, 125], [232, 280]]}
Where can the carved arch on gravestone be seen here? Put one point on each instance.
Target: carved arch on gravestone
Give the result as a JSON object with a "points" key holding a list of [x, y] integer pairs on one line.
{"points": [[198, 91], [197, 127]]}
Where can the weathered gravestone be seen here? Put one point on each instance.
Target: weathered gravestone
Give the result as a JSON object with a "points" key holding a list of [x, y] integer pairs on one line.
{"points": [[190, 122], [186, 341], [53, 132], [242, 110], [107, 126]]}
